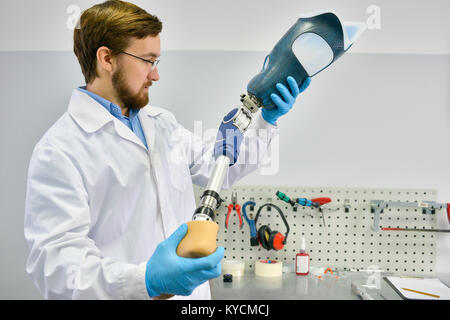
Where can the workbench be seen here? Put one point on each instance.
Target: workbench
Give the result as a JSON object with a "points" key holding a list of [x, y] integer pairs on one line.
{"points": [[348, 235], [293, 287]]}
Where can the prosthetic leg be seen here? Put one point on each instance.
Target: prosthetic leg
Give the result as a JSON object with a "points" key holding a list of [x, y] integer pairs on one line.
{"points": [[308, 47]]}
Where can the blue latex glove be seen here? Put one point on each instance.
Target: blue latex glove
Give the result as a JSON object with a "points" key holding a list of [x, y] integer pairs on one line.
{"points": [[171, 274], [284, 105], [229, 138]]}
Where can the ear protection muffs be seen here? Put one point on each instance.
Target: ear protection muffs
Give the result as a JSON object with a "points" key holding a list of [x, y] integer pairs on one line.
{"points": [[267, 238]]}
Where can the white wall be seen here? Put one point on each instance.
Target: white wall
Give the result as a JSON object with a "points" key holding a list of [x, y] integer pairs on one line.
{"points": [[248, 25]]}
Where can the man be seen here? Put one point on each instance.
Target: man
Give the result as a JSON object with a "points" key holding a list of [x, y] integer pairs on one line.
{"points": [[106, 203]]}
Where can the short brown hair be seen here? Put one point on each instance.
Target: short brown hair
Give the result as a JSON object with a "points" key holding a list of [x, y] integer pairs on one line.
{"points": [[112, 24]]}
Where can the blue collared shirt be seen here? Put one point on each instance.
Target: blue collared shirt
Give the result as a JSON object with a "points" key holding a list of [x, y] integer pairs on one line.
{"points": [[131, 122]]}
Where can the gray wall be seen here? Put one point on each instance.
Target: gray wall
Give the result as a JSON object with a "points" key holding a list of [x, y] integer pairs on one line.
{"points": [[371, 120], [35, 90]]}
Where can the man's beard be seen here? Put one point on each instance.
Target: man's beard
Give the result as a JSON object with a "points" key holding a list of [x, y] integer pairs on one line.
{"points": [[130, 100]]}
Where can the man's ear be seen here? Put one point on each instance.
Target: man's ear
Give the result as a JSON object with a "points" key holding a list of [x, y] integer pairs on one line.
{"points": [[104, 60]]}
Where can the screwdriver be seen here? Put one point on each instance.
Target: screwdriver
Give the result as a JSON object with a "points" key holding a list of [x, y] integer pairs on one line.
{"points": [[282, 196]]}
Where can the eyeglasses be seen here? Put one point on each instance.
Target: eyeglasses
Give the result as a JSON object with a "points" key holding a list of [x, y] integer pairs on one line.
{"points": [[153, 63]]}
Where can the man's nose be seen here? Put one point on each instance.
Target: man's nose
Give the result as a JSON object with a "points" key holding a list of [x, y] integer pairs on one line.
{"points": [[154, 74]]}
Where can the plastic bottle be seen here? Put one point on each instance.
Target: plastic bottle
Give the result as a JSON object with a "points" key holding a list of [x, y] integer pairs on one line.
{"points": [[302, 260]]}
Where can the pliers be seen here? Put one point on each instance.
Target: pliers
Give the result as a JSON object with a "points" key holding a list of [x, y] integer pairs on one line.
{"points": [[251, 224], [234, 206]]}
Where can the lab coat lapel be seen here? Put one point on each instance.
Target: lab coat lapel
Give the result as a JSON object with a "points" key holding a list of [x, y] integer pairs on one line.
{"points": [[148, 126], [149, 117], [92, 116], [87, 112], [126, 133]]}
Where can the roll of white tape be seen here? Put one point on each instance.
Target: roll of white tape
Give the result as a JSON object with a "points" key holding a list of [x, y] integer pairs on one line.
{"points": [[268, 268], [234, 267]]}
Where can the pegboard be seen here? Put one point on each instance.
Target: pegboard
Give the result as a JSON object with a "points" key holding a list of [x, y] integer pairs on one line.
{"points": [[347, 241]]}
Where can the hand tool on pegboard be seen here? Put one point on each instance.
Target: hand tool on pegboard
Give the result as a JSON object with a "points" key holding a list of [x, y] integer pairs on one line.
{"points": [[251, 223], [319, 203], [233, 206], [428, 207]]}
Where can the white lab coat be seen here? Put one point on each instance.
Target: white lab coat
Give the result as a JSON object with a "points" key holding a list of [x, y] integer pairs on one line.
{"points": [[98, 202]]}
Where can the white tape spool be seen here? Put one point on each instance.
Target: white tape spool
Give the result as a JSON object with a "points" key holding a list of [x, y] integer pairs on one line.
{"points": [[268, 268], [234, 267]]}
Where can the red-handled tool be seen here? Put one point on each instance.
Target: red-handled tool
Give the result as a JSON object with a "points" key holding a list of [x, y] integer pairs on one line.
{"points": [[231, 207], [448, 212], [321, 201]]}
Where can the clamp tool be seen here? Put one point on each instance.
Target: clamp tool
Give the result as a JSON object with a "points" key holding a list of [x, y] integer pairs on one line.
{"points": [[428, 207], [251, 223], [234, 206]]}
